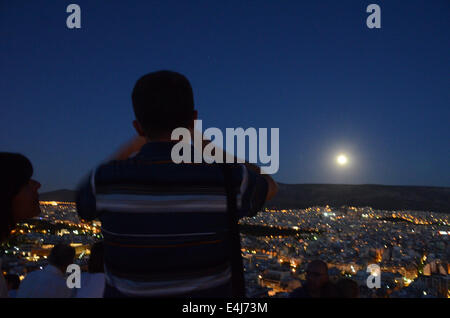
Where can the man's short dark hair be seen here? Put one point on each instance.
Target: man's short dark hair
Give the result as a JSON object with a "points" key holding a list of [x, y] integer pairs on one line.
{"points": [[318, 264], [61, 255], [163, 101]]}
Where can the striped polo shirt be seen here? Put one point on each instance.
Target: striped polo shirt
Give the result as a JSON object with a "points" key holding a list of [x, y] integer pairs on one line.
{"points": [[165, 225]]}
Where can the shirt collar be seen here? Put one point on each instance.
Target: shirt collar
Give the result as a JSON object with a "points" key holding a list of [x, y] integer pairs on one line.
{"points": [[156, 150]]}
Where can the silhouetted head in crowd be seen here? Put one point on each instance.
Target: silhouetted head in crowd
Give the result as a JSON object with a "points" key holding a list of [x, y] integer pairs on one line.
{"points": [[12, 281], [316, 277], [347, 288], [95, 264], [19, 198], [162, 101], [61, 256]]}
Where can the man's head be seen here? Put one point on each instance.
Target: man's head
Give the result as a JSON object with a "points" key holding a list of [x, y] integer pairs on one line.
{"points": [[61, 256], [316, 274], [19, 197], [162, 101]]}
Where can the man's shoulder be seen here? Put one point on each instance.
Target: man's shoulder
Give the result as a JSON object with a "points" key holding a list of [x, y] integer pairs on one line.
{"points": [[152, 172], [38, 274], [29, 282], [32, 275]]}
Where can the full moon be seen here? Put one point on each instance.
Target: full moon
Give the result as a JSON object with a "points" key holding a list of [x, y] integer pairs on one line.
{"points": [[342, 160]]}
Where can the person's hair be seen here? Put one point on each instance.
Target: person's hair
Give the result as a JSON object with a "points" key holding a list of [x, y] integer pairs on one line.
{"points": [[319, 264], [13, 280], [15, 171], [61, 255], [96, 260], [163, 101], [347, 288]]}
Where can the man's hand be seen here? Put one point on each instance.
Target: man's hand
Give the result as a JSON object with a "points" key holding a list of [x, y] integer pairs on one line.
{"points": [[272, 185]]}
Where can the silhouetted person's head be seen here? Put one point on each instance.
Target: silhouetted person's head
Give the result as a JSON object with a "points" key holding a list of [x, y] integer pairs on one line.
{"points": [[61, 256], [316, 276], [348, 288], [162, 101], [19, 198], [95, 264], [12, 281]]}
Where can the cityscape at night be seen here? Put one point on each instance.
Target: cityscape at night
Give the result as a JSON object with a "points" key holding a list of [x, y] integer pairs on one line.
{"points": [[411, 247], [211, 153]]}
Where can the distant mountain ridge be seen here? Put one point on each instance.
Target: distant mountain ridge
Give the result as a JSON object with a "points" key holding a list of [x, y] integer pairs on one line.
{"points": [[63, 195], [436, 199], [383, 197]]}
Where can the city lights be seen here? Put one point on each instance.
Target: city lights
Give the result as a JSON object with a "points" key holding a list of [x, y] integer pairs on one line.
{"points": [[357, 237], [275, 263]]}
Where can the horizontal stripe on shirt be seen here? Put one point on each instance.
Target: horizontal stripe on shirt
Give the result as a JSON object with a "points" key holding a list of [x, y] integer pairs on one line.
{"points": [[167, 287], [162, 203]]}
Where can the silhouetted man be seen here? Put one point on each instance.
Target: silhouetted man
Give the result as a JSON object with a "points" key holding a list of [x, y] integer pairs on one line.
{"points": [[316, 281], [166, 229], [347, 288], [49, 282]]}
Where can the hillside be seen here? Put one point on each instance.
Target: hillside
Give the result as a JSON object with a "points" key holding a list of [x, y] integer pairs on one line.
{"points": [[58, 195], [306, 195], [376, 196]]}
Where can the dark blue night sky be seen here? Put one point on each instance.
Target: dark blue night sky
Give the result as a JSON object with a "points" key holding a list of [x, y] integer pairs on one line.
{"points": [[311, 68]]}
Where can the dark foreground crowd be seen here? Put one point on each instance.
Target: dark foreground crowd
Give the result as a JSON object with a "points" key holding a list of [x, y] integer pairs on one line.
{"points": [[318, 284], [51, 281], [169, 229]]}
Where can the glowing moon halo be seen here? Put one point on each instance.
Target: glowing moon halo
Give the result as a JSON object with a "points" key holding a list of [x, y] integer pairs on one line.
{"points": [[342, 160]]}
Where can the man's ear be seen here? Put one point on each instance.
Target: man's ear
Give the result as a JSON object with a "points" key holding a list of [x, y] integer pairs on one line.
{"points": [[138, 128]]}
